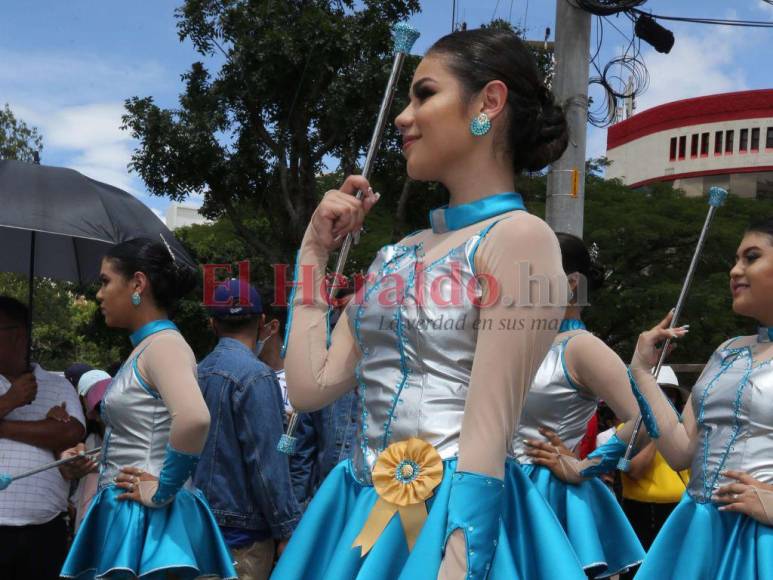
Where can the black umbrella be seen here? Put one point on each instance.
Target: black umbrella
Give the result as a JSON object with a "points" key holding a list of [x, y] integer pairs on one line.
{"points": [[58, 223]]}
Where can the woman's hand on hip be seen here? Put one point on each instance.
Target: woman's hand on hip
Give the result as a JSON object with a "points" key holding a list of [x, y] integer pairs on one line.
{"points": [[140, 486]]}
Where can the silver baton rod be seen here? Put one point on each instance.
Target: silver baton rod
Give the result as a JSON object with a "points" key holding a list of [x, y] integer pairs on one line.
{"points": [[404, 38], [53, 464], [717, 197]]}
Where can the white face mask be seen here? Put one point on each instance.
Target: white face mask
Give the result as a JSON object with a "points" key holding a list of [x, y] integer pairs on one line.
{"points": [[261, 343], [259, 346]]}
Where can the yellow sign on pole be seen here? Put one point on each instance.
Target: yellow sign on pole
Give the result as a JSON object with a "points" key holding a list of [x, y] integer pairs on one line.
{"points": [[575, 182]]}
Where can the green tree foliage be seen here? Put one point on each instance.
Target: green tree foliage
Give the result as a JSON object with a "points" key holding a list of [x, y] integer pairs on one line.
{"points": [[299, 86], [646, 239], [18, 140]]}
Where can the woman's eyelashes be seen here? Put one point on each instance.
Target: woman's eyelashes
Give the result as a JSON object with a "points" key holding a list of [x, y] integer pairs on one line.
{"points": [[751, 256], [422, 93]]}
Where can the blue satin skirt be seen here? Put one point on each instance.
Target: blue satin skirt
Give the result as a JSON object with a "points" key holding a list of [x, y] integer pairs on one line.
{"points": [[698, 541], [124, 539], [602, 536], [531, 546]]}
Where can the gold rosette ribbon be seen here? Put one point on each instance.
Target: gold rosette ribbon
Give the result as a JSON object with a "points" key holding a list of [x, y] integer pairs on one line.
{"points": [[405, 475]]}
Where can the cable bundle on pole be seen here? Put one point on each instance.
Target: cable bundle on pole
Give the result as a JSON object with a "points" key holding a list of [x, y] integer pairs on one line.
{"points": [[607, 7]]}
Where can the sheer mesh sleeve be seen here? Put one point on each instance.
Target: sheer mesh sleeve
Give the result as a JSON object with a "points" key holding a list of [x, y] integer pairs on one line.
{"points": [[522, 255], [316, 375], [675, 436], [598, 369], [169, 366]]}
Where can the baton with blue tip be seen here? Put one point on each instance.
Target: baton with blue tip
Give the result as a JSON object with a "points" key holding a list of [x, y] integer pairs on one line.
{"points": [[717, 197], [404, 37]]}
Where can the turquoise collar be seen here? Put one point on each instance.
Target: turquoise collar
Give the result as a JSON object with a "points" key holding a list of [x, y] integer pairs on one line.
{"points": [[571, 324], [446, 219], [765, 334], [138, 336]]}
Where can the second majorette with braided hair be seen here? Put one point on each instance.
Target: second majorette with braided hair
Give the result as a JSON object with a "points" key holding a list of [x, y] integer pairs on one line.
{"points": [[443, 341], [147, 520], [579, 371]]}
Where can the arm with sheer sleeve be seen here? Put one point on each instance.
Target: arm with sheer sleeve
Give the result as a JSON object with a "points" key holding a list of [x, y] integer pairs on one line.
{"points": [[316, 375], [598, 370], [169, 367], [521, 254], [675, 436]]}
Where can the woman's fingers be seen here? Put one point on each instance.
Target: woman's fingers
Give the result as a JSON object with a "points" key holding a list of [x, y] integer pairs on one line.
{"points": [[371, 198], [552, 437], [353, 184], [538, 453], [666, 322], [741, 476], [534, 444], [549, 463], [132, 470], [345, 212]]}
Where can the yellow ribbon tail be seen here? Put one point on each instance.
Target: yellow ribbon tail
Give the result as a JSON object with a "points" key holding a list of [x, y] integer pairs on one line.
{"points": [[379, 517], [413, 517]]}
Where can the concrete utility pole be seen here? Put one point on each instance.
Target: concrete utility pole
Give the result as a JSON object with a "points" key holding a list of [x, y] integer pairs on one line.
{"points": [[566, 181]]}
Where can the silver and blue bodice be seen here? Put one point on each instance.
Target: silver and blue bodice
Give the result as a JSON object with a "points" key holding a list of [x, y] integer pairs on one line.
{"points": [[733, 406], [554, 402], [417, 352], [137, 424]]}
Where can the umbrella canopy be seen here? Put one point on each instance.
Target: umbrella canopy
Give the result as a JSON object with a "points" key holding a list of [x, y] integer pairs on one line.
{"points": [[76, 219]]}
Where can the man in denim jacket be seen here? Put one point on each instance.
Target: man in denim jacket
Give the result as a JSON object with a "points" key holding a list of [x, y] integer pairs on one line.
{"points": [[326, 437], [245, 479]]}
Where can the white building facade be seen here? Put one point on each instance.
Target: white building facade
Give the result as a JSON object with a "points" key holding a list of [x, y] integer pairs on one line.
{"points": [[179, 215], [724, 140]]}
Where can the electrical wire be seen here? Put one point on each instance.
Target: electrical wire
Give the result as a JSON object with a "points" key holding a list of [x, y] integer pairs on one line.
{"points": [[626, 76], [714, 21], [623, 77], [606, 7], [495, 10]]}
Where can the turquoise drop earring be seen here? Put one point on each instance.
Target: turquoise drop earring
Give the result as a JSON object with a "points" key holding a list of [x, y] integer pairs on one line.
{"points": [[480, 125], [136, 299]]}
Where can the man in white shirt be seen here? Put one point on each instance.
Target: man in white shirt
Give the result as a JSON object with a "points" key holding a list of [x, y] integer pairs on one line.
{"points": [[33, 534]]}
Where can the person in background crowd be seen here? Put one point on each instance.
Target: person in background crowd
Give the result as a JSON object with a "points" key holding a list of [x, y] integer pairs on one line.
{"points": [[325, 437], [146, 519], [245, 478], [651, 489], [91, 388], [75, 371], [33, 531], [269, 348]]}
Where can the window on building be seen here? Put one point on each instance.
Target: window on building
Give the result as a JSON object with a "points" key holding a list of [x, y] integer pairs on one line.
{"points": [[729, 141], [718, 143], [743, 141], [682, 146], [769, 139], [755, 140], [694, 146], [672, 149], [705, 144]]}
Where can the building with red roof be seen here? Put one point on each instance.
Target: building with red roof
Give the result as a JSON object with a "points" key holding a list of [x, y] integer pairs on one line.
{"points": [[724, 140]]}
